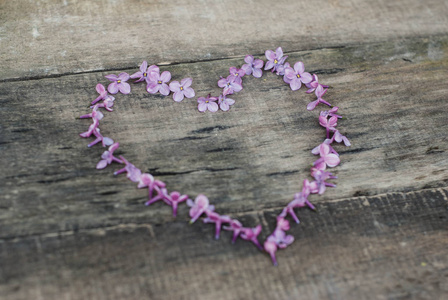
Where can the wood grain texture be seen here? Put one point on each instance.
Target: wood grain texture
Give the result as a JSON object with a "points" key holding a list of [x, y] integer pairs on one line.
{"points": [[390, 246], [41, 38], [69, 231]]}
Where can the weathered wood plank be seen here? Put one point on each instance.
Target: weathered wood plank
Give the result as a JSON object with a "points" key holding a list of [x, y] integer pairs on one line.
{"points": [[390, 246], [254, 156], [52, 37]]}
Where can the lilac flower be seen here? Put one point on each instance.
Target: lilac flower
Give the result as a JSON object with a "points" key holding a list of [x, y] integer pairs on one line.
{"points": [[251, 234], [103, 93], [275, 59], [99, 138], [133, 173], [332, 112], [319, 93], [230, 85], [147, 180], [237, 73], [316, 150], [281, 71], [320, 177], [107, 103], [108, 157], [182, 89], [213, 217], [314, 84], [224, 102], [278, 239], [162, 194], [144, 72], [297, 76], [200, 206], [253, 66], [329, 124], [338, 137], [236, 227], [330, 159], [207, 103], [91, 129], [282, 224], [119, 83], [157, 83], [95, 114], [176, 198]]}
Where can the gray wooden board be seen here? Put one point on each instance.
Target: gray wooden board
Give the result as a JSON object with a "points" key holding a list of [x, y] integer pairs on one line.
{"points": [[390, 246], [41, 38], [70, 231]]}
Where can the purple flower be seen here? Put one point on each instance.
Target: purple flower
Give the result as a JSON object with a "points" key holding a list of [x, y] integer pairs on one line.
{"points": [[253, 66], [278, 239], [236, 227], [330, 159], [297, 76], [275, 59], [329, 124], [213, 217], [144, 72], [133, 173], [147, 180], [281, 71], [99, 138], [157, 83], [182, 89], [251, 234], [91, 129], [229, 85], [316, 150], [207, 103], [162, 194], [224, 102], [237, 73], [319, 93], [95, 114], [108, 157], [119, 83], [198, 207], [338, 137], [332, 112], [103, 93], [320, 177], [314, 84], [176, 198]]}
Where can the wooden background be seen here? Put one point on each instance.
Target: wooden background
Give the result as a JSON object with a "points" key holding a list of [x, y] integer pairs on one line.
{"points": [[69, 231]]}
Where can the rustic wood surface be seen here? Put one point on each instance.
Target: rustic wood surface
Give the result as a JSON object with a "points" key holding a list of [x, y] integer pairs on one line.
{"points": [[69, 231]]}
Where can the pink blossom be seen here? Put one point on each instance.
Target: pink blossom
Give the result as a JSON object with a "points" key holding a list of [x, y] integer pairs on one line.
{"points": [[108, 157], [225, 103], [330, 159], [297, 76], [320, 177], [253, 66], [119, 83], [95, 114], [229, 85], [208, 103], [316, 150], [133, 173], [275, 59], [251, 234], [278, 239], [182, 89], [198, 207], [314, 84], [319, 93], [162, 194], [338, 137], [213, 217], [147, 180], [144, 72], [107, 103], [331, 113], [329, 124], [100, 138], [158, 83], [103, 93], [237, 73], [236, 227]]}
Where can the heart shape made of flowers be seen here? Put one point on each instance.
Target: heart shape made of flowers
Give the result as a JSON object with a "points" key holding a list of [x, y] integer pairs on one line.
{"points": [[157, 82]]}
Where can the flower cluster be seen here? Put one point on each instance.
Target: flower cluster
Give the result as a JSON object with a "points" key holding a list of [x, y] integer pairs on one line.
{"points": [[157, 82]]}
